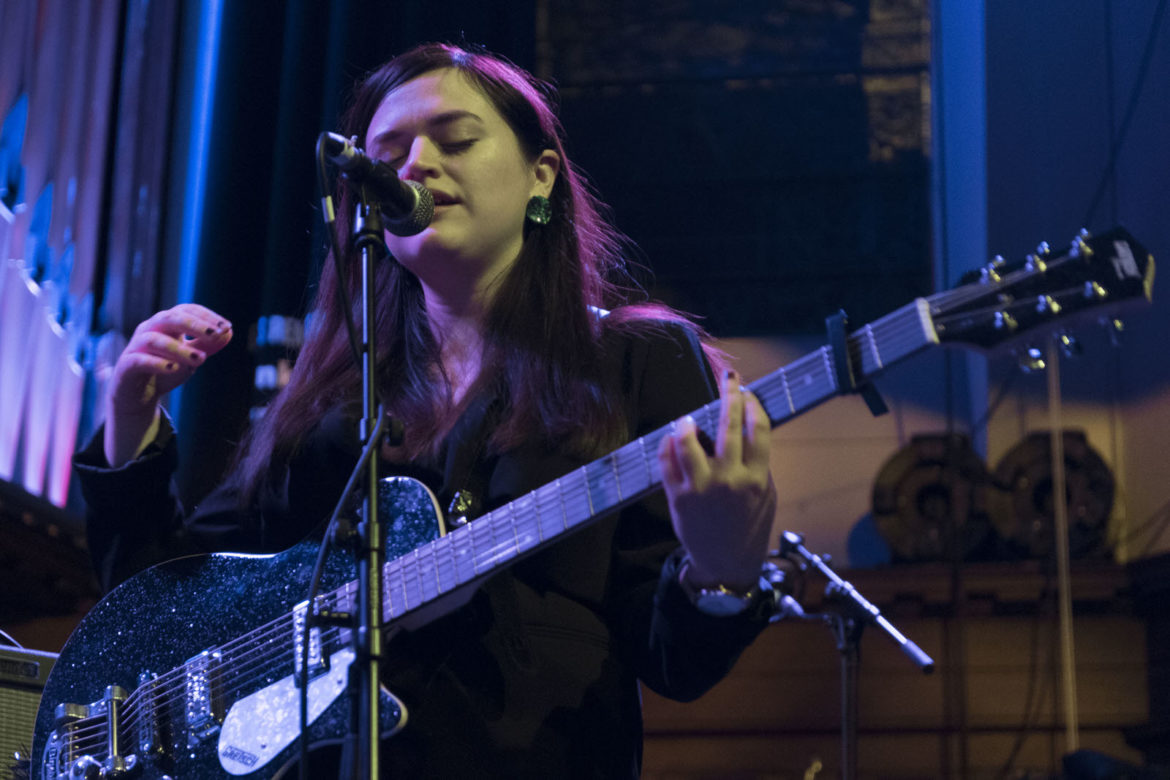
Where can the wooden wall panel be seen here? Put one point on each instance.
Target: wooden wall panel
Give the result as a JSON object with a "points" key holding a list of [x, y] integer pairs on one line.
{"points": [[996, 670]]}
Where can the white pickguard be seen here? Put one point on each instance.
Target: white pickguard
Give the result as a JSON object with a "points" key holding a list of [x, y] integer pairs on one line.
{"points": [[259, 726]]}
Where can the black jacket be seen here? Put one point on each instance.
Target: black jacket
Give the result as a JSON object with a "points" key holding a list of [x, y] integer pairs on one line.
{"points": [[538, 675]]}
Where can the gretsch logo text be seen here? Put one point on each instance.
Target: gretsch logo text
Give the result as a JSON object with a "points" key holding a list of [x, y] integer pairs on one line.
{"points": [[233, 753]]}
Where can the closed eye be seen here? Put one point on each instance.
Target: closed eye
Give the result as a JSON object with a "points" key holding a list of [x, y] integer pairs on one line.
{"points": [[457, 147]]}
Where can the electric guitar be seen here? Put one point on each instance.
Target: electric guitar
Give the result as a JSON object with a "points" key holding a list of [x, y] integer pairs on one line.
{"points": [[191, 668]]}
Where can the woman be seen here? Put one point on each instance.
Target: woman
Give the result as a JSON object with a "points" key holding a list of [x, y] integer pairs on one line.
{"points": [[500, 358]]}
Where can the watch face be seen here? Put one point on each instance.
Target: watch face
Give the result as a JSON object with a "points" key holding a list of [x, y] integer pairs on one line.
{"points": [[721, 603]]}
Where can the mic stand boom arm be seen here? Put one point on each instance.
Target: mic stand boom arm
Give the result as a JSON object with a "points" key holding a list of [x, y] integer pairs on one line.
{"points": [[851, 613]]}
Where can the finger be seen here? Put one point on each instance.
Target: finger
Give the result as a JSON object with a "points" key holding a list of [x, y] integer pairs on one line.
{"points": [[160, 345], [668, 464], [757, 431], [688, 453], [187, 322], [140, 364], [729, 439]]}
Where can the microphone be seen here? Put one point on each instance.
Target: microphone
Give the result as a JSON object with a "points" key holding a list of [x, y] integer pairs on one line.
{"points": [[407, 206]]}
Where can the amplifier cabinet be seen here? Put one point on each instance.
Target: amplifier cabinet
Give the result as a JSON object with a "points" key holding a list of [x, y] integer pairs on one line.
{"points": [[22, 678]]}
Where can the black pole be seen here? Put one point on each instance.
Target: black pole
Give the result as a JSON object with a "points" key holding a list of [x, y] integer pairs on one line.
{"points": [[368, 637]]}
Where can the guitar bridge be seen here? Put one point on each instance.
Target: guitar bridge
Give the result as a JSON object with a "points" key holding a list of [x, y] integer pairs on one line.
{"points": [[62, 760]]}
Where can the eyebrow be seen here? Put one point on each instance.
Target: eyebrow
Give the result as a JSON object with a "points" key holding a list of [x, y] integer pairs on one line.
{"points": [[436, 121]]}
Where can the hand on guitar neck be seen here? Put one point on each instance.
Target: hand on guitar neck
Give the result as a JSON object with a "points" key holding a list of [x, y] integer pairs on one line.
{"points": [[722, 502]]}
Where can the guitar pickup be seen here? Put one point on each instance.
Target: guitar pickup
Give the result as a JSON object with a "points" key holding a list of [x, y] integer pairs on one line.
{"points": [[318, 660], [204, 702]]}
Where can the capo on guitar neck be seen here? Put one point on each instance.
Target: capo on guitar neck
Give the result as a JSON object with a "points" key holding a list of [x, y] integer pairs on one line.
{"points": [[843, 365]]}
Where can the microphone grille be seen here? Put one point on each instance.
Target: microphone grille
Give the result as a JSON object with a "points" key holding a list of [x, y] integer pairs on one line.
{"points": [[419, 217]]}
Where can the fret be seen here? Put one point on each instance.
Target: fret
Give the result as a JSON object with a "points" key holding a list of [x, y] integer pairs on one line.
{"points": [[561, 499], [428, 579], [598, 487], [503, 532], [445, 572], [549, 518], [812, 381], [538, 514], [410, 580], [617, 477], [648, 478], [481, 537], [828, 363], [525, 524], [787, 393], [462, 554], [637, 475], [868, 369], [574, 500], [584, 471], [393, 588]]}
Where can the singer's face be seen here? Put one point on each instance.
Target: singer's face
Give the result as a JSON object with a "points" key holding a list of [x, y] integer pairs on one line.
{"points": [[438, 129]]}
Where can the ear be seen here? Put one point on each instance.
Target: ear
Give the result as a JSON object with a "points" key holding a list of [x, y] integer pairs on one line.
{"points": [[546, 168]]}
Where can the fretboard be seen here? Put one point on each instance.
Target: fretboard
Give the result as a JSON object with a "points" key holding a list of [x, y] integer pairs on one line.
{"points": [[627, 474]]}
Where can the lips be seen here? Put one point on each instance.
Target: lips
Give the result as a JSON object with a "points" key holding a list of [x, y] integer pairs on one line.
{"points": [[443, 199]]}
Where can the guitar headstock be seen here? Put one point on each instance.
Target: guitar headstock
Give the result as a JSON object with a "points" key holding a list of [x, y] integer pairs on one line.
{"points": [[1095, 277]]}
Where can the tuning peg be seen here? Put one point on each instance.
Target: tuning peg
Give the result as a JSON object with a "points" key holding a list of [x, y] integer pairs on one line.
{"points": [[1005, 321], [1046, 304], [1069, 345], [1032, 359], [989, 273], [1080, 246], [1035, 262], [1115, 328]]}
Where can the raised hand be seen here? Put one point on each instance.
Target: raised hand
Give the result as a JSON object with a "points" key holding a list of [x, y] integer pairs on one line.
{"points": [[164, 352], [722, 503]]}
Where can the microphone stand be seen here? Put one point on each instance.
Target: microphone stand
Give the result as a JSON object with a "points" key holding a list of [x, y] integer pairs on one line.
{"points": [[368, 636], [851, 614]]}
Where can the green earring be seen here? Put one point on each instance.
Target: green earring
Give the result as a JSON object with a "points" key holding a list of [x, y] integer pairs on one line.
{"points": [[538, 211]]}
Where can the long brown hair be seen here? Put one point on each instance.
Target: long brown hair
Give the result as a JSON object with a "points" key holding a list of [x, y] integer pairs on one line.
{"points": [[543, 333]]}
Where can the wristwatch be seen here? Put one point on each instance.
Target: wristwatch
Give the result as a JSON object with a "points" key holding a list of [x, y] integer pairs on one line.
{"points": [[718, 601]]}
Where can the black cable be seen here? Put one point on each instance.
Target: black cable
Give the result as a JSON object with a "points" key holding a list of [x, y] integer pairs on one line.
{"points": [[1143, 70], [315, 583], [330, 218]]}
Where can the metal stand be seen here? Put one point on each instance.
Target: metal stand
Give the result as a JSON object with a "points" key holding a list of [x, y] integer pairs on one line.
{"points": [[368, 636], [851, 614]]}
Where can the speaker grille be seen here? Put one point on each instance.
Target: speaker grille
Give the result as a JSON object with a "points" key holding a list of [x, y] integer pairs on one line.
{"points": [[22, 678]]}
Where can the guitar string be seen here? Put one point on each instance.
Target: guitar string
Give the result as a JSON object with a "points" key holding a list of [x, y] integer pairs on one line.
{"points": [[161, 701], [171, 686]]}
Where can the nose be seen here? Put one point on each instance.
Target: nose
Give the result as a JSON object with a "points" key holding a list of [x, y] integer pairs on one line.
{"points": [[420, 162]]}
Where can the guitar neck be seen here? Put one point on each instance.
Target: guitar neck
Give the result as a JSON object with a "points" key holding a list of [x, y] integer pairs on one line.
{"points": [[630, 472]]}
